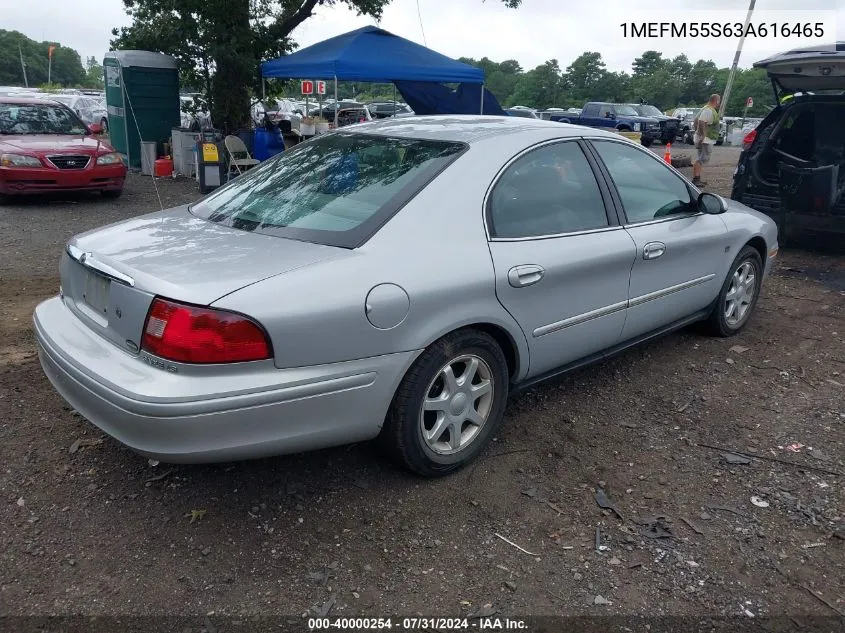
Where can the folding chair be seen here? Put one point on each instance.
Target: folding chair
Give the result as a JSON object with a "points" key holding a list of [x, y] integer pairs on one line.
{"points": [[235, 148]]}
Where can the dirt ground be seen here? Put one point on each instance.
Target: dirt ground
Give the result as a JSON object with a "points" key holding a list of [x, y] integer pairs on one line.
{"points": [[89, 528]]}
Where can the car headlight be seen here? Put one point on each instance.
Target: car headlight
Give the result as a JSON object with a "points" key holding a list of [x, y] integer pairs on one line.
{"points": [[19, 160], [109, 159]]}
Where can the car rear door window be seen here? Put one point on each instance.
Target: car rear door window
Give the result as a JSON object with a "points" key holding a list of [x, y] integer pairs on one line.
{"points": [[548, 191], [648, 188]]}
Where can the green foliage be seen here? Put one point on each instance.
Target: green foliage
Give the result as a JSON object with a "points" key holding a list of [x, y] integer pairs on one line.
{"points": [[93, 74], [665, 83], [66, 68]]}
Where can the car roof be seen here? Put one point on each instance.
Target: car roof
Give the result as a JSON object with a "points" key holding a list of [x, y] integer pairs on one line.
{"points": [[472, 128]]}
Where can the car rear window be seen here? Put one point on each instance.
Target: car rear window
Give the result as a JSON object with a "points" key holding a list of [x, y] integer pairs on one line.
{"points": [[336, 189]]}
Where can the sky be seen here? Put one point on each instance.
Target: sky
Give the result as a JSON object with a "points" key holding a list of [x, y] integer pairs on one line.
{"points": [[538, 31]]}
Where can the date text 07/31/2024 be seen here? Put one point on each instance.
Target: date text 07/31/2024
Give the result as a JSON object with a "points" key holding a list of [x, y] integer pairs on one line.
{"points": [[417, 623], [682, 30]]}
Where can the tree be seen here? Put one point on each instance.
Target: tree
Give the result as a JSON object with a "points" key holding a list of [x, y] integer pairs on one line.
{"points": [[680, 68], [500, 78], [649, 63], [218, 44], [541, 87], [658, 89], [701, 83], [66, 70], [93, 73], [583, 76]]}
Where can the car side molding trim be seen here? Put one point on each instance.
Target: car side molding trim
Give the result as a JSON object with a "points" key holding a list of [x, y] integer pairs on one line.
{"points": [[659, 294], [578, 319], [519, 386]]}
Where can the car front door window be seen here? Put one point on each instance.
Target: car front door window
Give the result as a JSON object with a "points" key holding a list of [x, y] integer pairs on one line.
{"points": [[648, 188]]}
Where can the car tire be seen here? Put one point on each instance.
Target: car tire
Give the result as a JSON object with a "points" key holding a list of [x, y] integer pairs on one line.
{"points": [[112, 193], [105, 124], [738, 296], [409, 430]]}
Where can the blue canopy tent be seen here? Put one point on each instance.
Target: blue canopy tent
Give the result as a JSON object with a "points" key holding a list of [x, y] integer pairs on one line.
{"points": [[373, 54]]}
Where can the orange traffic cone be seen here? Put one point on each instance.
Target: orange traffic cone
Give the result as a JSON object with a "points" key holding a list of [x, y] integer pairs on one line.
{"points": [[667, 155]]}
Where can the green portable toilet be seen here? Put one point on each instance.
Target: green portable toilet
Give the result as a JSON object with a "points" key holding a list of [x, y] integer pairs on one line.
{"points": [[142, 99]]}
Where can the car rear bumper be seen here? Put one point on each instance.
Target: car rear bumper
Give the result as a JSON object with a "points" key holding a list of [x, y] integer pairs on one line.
{"points": [[195, 417], [16, 180]]}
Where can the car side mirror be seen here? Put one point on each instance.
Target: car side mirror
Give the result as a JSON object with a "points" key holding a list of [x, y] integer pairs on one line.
{"points": [[95, 128], [711, 203]]}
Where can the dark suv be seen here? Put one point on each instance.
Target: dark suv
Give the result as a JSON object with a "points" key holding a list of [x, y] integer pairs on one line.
{"points": [[668, 125], [792, 166]]}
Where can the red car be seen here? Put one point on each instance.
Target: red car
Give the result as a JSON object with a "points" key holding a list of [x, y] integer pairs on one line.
{"points": [[45, 147]]}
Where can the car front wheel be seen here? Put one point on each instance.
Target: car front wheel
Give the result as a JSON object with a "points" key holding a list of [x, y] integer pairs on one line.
{"points": [[739, 294], [449, 404]]}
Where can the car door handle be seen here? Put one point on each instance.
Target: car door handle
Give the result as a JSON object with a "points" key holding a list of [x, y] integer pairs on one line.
{"points": [[525, 275], [653, 250]]}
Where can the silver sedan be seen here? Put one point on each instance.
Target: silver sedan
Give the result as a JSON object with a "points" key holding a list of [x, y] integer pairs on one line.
{"points": [[395, 279]]}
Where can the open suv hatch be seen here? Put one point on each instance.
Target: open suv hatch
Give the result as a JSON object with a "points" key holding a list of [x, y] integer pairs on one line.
{"points": [[792, 166]]}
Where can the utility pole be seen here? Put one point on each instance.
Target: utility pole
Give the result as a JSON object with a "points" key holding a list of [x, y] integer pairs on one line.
{"points": [[50, 49], [23, 67], [727, 94]]}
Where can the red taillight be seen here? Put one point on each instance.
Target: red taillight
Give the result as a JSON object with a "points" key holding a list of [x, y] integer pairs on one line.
{"points": [[749, 138], [188, 334]]}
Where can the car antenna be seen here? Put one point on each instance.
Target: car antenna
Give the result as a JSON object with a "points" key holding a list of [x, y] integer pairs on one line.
{"points": [[138, 129]]}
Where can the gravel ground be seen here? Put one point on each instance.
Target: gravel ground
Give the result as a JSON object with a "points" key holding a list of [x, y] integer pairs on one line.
{"points": [[87, 527]]}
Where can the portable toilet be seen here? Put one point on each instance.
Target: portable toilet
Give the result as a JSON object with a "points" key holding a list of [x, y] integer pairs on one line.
{"points": [[142, 99]]}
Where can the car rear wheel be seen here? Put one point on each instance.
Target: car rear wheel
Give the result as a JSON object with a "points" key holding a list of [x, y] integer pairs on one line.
{"points": [[739, 294], [449, 404]]}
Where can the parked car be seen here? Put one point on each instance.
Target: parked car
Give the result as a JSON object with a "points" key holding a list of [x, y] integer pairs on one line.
{"points": [[372, 335], [88, 109], [193, 116], [384, 110], [46, 147], [668, 125], [278, 110], [526, 113], [792, 166], [618, 116], [349, 113]]}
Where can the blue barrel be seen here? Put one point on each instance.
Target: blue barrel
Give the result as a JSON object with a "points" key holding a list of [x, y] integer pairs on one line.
{"points": [[267, 143], [248, 137]]}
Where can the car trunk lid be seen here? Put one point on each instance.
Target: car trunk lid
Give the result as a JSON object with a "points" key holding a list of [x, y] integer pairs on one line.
{"points": [[111, 275], [811, 69]]}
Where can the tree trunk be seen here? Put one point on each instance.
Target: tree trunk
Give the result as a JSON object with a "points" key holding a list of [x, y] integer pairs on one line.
{"points": [[235, 63]]}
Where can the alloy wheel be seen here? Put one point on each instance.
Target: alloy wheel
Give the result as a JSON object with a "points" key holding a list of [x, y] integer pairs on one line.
{"points": [[457, 404], [740, 294]]}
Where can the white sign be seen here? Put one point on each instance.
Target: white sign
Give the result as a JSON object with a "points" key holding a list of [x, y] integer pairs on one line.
{"points": [[321, 87], [749, 102]]}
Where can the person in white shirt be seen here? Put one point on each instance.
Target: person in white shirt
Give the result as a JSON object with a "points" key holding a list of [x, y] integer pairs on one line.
{"points": [[705, 137]]}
